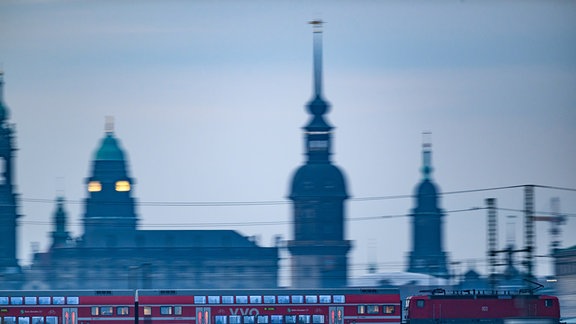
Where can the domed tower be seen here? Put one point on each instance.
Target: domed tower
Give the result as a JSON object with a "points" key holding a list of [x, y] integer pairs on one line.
{"points": [[318, 192], [427, 255], [110, 213], [8, 198]]}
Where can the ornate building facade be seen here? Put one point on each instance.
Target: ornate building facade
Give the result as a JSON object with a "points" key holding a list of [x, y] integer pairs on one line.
{"points": [[114, 253]]}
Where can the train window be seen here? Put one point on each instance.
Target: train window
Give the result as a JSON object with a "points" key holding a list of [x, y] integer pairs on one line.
{"points": [[339, 299], [361, 309], [227, 299], [94, 310], [9, 320], [318, 319], [122, 310], [199, 299], [220, 319], [235, 319], [147, 310], [37, 320], [3, 300], [548, 302], [262, 319], [269, 299], [276, 319], [106, 310], [325, 299], [255, 299], [166, 310], [213, 299], [51, 320], [297, 299], [248, 319], [16, 300], [44, 300], [283, 300], [290, 319], [388, 309], [58, 300], [241, 299], [177, 310], [30, 300], [420, 303], [304, 319], [311, 299], [72, 300], [373, 309], [23, 320]]}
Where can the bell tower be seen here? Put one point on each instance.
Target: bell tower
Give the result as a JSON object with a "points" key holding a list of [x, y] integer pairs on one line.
{"points": [[318, 193], [427, 255], [8, 198]]}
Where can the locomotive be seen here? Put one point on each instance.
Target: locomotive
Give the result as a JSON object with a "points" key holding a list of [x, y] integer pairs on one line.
{"points": [[479, 306], [273, 306]]}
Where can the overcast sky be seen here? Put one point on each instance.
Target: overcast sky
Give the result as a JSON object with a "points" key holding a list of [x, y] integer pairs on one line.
{"points": [[208, 100]]}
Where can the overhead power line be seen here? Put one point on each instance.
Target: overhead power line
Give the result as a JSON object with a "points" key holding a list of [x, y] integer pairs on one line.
{"points": [[282, 202]]}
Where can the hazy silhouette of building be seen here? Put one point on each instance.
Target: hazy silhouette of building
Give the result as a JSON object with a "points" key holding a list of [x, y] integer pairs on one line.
{"points": [[427, 255], [318, 192], [9, 269], [114, 253]]}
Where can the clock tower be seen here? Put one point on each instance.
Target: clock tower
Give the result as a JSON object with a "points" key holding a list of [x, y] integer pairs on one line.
{"points": [[110, 215], [318, 193]]}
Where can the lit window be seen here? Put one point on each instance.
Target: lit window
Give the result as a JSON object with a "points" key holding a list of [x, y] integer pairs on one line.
{"points": [[304, 319], [122, 310], [106, 310], [361, 309], [220, 319], [248, 319], [95, 310], [235, 319], [318, 319], [389, 309], [276, 319], [122, 185], [147, 310], [94, 186], [373, 309], [262, 319], [166, 310]]}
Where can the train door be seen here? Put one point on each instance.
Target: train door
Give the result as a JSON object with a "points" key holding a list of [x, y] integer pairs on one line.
{"points": [[202, 315], [70, 316], [337, 315]]}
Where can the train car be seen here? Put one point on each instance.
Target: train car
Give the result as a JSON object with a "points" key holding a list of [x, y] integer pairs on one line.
{"points": [[486, 307], [66, 307], [278, 306]]}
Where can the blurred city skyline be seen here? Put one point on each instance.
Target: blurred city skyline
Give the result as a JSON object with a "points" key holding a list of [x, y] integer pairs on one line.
{"points": [[208, 101]]}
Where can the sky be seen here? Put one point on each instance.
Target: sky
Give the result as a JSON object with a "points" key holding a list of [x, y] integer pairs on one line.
{"points": [[208, 100]]}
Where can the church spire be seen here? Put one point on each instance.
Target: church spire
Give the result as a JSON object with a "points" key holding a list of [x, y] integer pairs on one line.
{"points": [[3, 107], [426, 155], [318, 106]]}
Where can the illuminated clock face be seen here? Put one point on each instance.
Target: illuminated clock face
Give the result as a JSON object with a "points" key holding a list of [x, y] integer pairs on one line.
{"points": [[94, 186], [122, 185]]}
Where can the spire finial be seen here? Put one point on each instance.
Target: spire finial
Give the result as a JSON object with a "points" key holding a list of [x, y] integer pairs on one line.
{"points": [[109, 126], [317, 29], [426, 154]]}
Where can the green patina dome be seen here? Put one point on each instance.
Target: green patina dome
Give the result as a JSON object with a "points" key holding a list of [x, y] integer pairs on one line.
{"points": [[109, 150]]}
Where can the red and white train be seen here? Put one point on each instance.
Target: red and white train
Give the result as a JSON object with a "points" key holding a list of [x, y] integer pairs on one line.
{"points": [[278, 306]]}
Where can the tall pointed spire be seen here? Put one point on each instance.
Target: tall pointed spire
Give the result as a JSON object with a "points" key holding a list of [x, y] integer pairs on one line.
{"points": [[3, 107], [426, 154], [318, 106]]}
